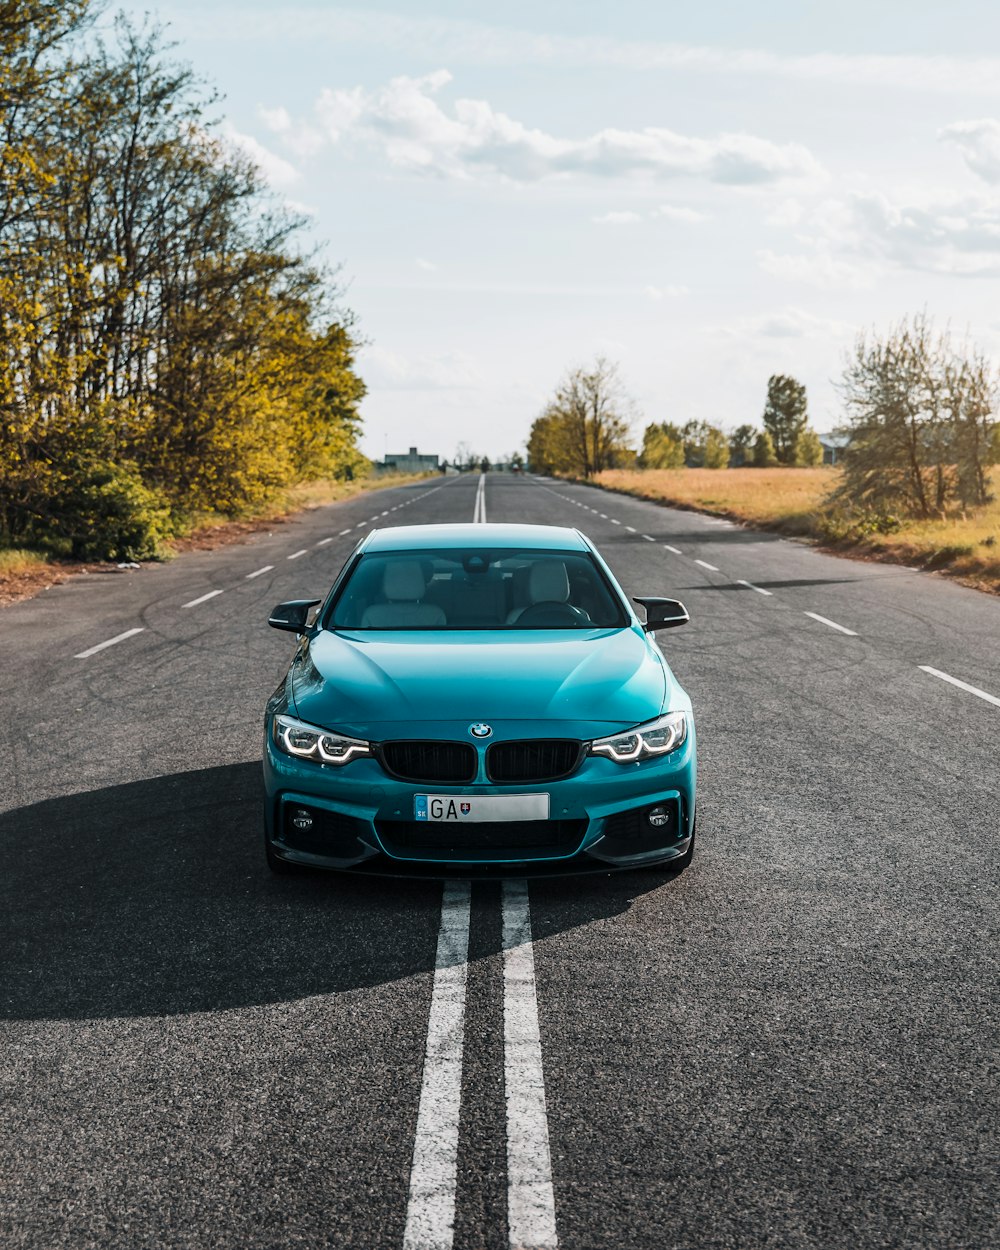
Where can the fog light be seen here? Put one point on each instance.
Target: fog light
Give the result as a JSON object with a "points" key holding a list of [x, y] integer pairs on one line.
{"points": [[301, 819], [658, 817]]}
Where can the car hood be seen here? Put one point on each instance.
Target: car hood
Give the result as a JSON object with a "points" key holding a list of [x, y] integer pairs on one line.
{"points": [[580, 683]]}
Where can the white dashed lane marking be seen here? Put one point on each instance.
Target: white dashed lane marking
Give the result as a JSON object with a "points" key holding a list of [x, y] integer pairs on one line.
{"points": [[201, 599], [676, 552], [323, 541], [258, 572], [705, 565], [109, 643], [649, 538], [823, 620], [962, 685], [295, 554], [750, 586]]}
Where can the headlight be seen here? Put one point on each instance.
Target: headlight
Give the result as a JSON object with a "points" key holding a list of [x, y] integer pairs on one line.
{"points": [[657, 738], [295, 737]]}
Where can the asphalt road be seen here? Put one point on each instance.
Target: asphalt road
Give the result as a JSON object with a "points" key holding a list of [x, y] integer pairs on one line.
{"points": [[791, 1044]]}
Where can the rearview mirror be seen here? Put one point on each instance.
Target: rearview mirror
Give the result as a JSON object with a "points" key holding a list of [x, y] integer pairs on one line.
{"points": [[662, 613], [292, 615]]}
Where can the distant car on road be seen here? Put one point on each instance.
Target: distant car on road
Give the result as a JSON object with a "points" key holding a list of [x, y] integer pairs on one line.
{"points": [[478, 697]]}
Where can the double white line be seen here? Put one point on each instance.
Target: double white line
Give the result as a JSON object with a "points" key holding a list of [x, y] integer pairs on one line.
{"points": [[430, 1216], [479, 512]]}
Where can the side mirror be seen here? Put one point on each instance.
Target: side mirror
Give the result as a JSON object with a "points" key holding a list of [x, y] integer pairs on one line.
{"points": [[292, 615], [662, 613]]}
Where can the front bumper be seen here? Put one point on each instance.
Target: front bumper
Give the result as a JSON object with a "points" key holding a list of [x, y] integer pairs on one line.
{"points": [[358, 817]]}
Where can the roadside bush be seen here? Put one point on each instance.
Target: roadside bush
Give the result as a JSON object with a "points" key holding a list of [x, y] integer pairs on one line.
{"points": [[838, 524], [108, 513]]}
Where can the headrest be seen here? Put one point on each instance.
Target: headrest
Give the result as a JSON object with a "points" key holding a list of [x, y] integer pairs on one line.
{"points": [[403, 581], [548, 582]]}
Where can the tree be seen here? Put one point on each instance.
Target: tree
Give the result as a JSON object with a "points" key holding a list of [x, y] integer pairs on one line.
{"points": [[484, 465], [662, 447], [763, 451], [741, 445], [165, 344], [921, 422], [702, 442], [785, 414], [716, 450], [585, 427], [808, 449]]}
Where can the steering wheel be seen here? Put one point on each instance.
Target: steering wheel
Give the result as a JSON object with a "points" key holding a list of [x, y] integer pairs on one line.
{"points": [[553, 612]]}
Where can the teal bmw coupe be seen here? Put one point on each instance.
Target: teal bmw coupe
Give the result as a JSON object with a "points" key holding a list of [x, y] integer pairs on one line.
{"points": [[478, 699]]}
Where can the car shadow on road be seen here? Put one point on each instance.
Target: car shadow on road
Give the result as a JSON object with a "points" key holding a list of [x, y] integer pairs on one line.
{"points": [[152, 898]]}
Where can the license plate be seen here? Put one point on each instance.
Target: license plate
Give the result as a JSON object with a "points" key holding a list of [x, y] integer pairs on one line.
{"points": [[454, 808]]}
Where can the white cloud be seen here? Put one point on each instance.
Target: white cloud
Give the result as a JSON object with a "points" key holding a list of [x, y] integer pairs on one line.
{"points": [[790, 323], [383, 369], [785, 213], [301, 138], [405, 121], [477, 43], [674, 212], [671, 291], [818, 268], [623, 218], [979, 144], [280, 173], [958, 235]]}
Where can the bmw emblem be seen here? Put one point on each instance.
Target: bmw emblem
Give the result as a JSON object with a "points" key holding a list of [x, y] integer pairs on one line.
{"points": [[480, 730]]}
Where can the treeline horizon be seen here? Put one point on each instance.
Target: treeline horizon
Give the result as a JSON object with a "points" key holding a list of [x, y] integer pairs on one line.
{"points": [[920, 430], [168, 344]]}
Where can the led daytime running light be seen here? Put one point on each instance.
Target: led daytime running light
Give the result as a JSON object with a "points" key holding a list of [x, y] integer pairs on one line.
{"points": [[659, 737], [308, 742]]}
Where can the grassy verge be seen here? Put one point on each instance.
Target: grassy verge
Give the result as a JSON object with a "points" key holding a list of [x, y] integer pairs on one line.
{"points": [[27, 571], [793, 501]]}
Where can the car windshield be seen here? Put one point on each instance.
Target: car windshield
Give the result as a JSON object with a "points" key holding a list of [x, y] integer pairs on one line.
{"points": [[476, 588]]}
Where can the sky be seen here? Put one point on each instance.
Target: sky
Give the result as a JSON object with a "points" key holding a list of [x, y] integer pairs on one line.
{"points": [[705, 194]]}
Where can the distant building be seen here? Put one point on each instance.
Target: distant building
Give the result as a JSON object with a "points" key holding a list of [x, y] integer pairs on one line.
{"points": [[412, 462], [833, 445]]}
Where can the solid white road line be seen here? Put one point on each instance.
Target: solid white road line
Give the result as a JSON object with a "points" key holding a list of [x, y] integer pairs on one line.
{"points": [[323, 541], [258, 572], [201, 599], [673, 549], [833, 624], [479, 511], [110, 643], [531, 1214], [705, 565], [295, 554], [750, 586], [962, 685], [430, 1212]]}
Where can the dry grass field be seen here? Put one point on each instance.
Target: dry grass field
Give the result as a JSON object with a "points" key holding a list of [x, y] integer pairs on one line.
{"points": [[794, 502]]}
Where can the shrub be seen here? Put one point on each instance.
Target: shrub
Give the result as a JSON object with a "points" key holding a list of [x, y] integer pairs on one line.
{"points": [[108, 513]]}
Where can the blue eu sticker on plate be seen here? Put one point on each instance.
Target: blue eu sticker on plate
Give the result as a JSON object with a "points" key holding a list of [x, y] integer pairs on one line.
{"points": [[420, 806]]}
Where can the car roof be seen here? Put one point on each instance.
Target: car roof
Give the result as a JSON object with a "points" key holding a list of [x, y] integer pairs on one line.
{"points": [[466, 534]]}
